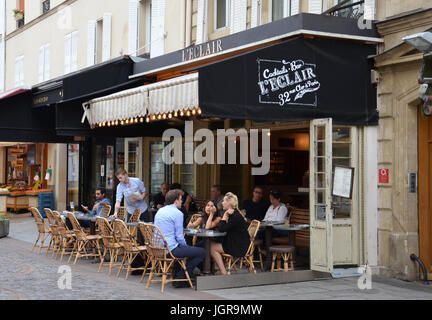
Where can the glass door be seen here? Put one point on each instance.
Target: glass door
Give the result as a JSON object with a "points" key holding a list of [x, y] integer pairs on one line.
{"points": [[73, 174], [321, 216]]}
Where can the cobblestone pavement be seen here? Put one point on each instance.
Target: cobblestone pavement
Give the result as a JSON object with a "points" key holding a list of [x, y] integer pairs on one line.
{"points": [[27, 275]]}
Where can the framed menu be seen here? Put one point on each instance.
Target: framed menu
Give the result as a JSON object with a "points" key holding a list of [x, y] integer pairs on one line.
{"points": [[343, 179]]}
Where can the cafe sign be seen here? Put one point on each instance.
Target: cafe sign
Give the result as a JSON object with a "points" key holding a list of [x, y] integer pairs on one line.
{"points": [[287, 82], [202, 50]]}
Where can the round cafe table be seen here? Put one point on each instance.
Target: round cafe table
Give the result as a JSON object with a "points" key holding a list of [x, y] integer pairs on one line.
{"points": [[268, 227], [206, 235]]}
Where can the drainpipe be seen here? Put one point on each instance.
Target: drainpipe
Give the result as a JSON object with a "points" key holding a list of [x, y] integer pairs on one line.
{"points": [[413, 257], [188, 30]]}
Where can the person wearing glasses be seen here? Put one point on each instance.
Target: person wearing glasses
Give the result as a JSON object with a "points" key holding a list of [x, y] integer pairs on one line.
{"points": [[256, 207]]}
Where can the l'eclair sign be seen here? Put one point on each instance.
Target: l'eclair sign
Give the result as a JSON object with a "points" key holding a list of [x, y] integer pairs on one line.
{"points": [[286, 83], [202, 50]]}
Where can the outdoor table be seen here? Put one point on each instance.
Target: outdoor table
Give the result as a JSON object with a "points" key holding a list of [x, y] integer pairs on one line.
{"points": [[207, 235], [268, 227]]}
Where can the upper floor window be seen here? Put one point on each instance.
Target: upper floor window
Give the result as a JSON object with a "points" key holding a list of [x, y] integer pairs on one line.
{"points": [[19, 71], [45, 6], [44, 62], [71, 52], [279, 9], [221, 13], [19, 13]]}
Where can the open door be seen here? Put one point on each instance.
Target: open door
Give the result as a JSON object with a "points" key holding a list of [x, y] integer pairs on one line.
{"points": [[321, 218]]}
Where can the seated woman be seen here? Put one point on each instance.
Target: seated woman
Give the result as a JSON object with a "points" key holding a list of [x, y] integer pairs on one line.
{"points": [[277, 212], [236, 241], [209, 220]]}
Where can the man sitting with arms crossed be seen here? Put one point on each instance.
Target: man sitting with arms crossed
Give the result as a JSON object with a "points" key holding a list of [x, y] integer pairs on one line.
{"points": [[169, 219]]}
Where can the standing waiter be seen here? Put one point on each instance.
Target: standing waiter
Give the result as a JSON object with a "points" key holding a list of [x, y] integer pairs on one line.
{"points": [[134, 192]]}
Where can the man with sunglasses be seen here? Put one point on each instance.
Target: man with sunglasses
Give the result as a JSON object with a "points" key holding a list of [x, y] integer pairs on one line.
{"points": [[256, 207]]}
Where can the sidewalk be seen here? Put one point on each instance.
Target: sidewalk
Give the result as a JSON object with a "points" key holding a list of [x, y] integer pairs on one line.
{"points": [[27, 275]]}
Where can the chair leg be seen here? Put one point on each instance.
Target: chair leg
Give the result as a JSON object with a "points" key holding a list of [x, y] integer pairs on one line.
{"points": [[34, 245], [73, 251], [164, 275], [131, 259], [41, 243], [273, 261], [285, 261], [291, 261], [125, 256], [153, 267], [102, 260]]}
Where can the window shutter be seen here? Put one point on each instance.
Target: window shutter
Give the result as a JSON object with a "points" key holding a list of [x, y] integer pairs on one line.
{"points": [[47, 59], [201, 22], [67, 47], [315, 6], [106, 37], [41, 64], [239, 16], [74, 51], [369, 9], [295, 7], [91, 43], [157, 28], [133, 27], [255, 13]]}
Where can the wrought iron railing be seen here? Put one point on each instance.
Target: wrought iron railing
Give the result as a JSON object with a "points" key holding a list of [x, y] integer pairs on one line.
{"points": [[347, 9]]}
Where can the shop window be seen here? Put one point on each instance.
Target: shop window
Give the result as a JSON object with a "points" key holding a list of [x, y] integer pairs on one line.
{"points": [[221, 14], [342, 151], [73, 174]]}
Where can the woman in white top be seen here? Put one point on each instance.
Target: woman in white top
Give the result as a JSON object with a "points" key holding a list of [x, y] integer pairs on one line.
{"points": [[277, 210]]}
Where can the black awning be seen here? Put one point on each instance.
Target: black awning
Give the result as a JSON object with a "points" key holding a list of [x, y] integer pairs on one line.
{"points": [[22, 123], [298, 80]]}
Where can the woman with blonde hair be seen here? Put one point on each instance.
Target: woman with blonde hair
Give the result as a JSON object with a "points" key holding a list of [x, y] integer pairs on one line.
{"points": [[236, 241]]}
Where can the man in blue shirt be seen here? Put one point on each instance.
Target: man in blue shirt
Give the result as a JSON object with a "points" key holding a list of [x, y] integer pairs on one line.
{"points": [[134, 192], [169, 219], [98, 205]]}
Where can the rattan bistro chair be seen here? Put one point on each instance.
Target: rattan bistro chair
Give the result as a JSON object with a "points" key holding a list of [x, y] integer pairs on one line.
{"points": [[193, 219], [122, 213], [83, 241], [247, 259], [55, 236], [43, 231], [67, 237], [135, 217], [109, 244], [106, 210], [131, 249], [161, 257]]}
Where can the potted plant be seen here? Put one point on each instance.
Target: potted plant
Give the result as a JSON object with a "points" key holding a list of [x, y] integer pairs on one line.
{"points": [[4, 226], [18, 14]]}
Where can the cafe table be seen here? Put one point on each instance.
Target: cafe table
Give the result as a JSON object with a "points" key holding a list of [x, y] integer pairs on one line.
{"points": [[268, 227], [206, 235]]}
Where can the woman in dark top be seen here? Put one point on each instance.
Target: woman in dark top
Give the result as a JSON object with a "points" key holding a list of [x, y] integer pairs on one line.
{"points": [[236, 241]]}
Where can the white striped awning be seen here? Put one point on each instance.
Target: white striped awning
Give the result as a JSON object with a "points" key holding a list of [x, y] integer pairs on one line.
{"points": [[163, 99]]}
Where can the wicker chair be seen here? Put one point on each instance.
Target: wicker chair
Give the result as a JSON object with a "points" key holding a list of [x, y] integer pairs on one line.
{"points": [[55, 236], [193, 219], [67, 237], [43, 231], [109, 244], [135, 217], [131, 249], [106, 210], [122, 213], [161, 257], [247, 259], [83, 240]]}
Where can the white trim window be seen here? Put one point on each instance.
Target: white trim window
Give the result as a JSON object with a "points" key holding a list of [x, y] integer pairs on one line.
{"points": [[279, 9], [221, 14], [44, 62], [19, 71], [71, 52]]}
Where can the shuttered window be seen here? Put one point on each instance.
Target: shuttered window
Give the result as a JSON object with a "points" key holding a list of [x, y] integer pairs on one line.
{"points": [[19, 71], [44, 63]]}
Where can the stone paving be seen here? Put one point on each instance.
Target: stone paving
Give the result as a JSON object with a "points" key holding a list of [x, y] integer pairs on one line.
{"points": [[27, 275]]}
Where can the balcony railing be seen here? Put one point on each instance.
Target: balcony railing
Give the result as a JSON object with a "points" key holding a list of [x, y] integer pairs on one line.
{"points": [[347, 9]]}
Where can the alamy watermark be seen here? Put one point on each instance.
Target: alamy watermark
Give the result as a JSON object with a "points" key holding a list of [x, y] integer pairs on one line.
{"points": [[65, 280], [226, 147], [365, 280]]}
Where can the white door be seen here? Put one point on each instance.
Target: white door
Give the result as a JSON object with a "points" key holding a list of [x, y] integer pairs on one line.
{"points": [[321, 218]]}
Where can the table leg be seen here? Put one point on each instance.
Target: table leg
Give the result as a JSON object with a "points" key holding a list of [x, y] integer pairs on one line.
{"points": [[92, 227], [206, 262], [268, 231]]}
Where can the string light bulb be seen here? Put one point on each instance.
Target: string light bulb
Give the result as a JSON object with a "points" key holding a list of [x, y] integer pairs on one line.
{"points": [[199, 110], [153, 117], [188, 113], [164, 116], [148, 119], [181, 113], [141, 119], [122, 122], [175, 114], [159, 116], [169, 115], [193, 111]]}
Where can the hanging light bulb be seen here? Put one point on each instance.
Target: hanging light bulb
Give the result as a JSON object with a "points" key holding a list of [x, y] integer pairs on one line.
{"points": [[159, 116], [134, 120], [122, 122], [181, 113], [141, 119], [148, 119], [153, 117], [188, 113], [164, 116], [199, 110], [169, 115], [116, 122], [127, 121], [193, 111], [109, 123], [176, 114]]}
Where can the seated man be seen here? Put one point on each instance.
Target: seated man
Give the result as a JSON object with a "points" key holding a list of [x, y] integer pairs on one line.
{"points": [[169, 219], [159, 199], [98, 205], [216, 195], [256, 207]]}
